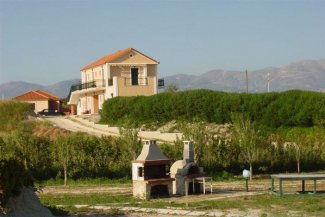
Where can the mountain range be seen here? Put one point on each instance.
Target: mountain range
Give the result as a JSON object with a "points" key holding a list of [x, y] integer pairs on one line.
{"points": [[15, 88], [305, 75]]}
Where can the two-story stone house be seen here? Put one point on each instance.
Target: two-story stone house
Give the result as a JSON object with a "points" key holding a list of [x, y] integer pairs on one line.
{"points": [[126, 72]]}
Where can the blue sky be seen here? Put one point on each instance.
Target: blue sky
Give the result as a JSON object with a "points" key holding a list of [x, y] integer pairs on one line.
{"points": [[49, 41]]}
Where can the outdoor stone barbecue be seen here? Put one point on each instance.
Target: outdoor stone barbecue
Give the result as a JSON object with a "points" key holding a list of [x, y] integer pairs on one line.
{"points": [[150, 172], [184, 171]]}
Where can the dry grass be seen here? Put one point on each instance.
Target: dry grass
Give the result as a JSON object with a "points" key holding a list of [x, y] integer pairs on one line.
{"points": [[43, 129]]}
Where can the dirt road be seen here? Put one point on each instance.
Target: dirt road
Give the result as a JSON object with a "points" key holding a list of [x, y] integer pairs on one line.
{"points": [[74, 126], [79, 125]]}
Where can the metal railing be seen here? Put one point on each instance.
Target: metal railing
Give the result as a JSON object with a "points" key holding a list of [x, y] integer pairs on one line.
{"points": [[91, 84], [161, 83], [87, 85], [138, 82]]}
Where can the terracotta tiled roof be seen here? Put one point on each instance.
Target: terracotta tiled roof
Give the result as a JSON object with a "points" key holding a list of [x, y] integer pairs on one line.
{"points": [[113, 56], [36, 95], [51, 96]]}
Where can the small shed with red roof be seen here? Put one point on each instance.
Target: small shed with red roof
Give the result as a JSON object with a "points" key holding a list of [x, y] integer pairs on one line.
{"points": [[41, 100]]}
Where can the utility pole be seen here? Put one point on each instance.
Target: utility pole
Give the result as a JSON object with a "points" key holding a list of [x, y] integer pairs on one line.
{"points": [[246, 81], [268, 82]]}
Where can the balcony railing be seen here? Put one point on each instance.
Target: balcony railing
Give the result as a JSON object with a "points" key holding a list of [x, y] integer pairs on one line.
{"points": [[135, 82], [87, 85], [161, 83], [91, 84]]}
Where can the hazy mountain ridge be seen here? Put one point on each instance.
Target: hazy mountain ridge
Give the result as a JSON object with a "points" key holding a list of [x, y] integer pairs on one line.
{"points": [[306, 75], [15, 88]]}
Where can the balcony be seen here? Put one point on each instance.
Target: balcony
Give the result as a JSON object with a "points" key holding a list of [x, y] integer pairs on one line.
{"points": [[141, 81], [91, 84], [161, 83], [77, 89]]}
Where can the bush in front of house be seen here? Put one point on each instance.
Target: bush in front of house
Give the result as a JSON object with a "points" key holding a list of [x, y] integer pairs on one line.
{"points": [[290, 108]]}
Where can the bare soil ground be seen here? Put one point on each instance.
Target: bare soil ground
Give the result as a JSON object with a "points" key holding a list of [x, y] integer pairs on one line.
{"points": [[45, 130], [221, 190], [127, 215], [114, 190]]}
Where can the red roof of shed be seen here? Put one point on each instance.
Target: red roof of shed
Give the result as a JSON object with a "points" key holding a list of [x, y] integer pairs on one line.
{"points": [[36, 95]]}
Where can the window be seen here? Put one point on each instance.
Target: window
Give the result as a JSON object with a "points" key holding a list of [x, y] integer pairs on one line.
{"points": [[134, 76]]}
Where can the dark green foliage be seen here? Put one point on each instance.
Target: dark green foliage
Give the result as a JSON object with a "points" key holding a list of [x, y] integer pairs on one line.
{"points": [[33, 151], [107, 157], [88, 156], [174, 152], [290, 108], [12, 113], [12, 182]]}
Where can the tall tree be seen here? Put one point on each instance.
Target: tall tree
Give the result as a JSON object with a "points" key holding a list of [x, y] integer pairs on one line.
{"points": [[297, 145], [129, 131], [62, 153], [303, 143], [246, 135]]}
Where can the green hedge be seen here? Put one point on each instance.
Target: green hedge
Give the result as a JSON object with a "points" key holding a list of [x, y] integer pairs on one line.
{"points": [[290, 108], [12, 113]]}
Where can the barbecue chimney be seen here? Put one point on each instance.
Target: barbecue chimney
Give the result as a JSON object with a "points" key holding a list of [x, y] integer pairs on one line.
{"points": [[188, 152]]}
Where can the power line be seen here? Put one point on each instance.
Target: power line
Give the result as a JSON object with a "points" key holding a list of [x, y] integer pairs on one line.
{"points": [[268, 82]]}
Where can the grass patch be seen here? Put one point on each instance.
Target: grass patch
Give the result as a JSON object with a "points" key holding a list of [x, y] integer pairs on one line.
{"points": [[269, 203], [87, 199]]}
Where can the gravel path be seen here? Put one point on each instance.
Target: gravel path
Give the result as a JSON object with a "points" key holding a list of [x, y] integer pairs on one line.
{"points": [[77, 124], [73, 126], [138, 212]]}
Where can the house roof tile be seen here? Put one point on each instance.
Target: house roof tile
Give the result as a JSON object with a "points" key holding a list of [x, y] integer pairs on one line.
{"points": [[36, 95], [113, 56], [51, 96]]}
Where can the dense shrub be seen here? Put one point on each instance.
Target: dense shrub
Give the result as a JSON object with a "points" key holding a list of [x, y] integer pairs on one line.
{"points": [[84, 156], [12, 182], [92, 157], [108, 157], [12, 113], [290, 108]]}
